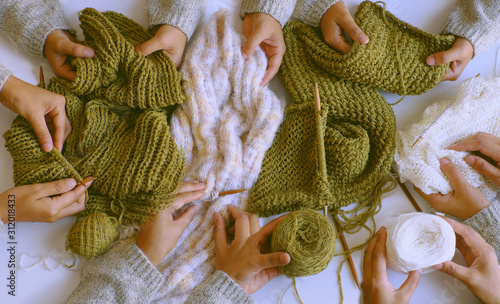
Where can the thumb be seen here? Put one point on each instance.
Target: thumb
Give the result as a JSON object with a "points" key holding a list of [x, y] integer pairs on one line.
{"points": [[42, 133], [410, 284], [274, 259], [444, 57], [76, 50], [185, 219], [148, 47], [251, 44], [457, 271]]}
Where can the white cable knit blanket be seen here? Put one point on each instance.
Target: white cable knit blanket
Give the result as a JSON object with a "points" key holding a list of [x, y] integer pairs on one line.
{"points": [[225, 127], [476, 108]]}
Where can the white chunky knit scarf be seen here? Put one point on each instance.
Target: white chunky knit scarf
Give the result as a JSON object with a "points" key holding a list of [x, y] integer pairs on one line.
{"points": [[225, 127], [476, 108]]}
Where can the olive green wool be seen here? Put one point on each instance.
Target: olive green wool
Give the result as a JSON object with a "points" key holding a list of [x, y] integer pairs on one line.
{"points": [[344, 156], [118, 107]]}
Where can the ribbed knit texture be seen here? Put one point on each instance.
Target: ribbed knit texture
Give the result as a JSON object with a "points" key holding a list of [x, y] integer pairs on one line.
{"points": [[225, 126], [311, 11], [474, 109], [183, 14], [281, 10], [487, 223], [344, 156], [118, 108]]}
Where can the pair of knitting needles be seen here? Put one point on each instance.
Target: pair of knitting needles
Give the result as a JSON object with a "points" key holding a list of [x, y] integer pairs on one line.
{"points": [[317, 102], [406, 191]]}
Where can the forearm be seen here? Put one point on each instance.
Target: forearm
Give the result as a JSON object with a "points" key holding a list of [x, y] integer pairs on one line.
{"points": [[477, 21], [28, 23], [219, 288], [183, 14], [311, 11], [487, 223], [122, 275], [281, 10]]}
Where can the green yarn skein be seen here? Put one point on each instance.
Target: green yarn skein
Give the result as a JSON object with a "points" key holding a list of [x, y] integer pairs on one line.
{"points": [[308, 237]]}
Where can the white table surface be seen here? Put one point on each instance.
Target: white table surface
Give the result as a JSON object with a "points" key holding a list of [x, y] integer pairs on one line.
{"points": [[42, 286]]}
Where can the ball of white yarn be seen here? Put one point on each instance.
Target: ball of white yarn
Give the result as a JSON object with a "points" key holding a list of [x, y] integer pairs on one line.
{"points": [[419, 240]]}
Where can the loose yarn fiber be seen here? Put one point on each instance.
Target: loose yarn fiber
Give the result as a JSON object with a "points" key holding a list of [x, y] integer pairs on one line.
{"points": [[419, 241], [474, 109], [309, 238], [118, 107], [224, 127]]}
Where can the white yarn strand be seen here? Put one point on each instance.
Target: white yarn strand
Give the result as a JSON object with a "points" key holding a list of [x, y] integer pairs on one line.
{"points": [[419, 241]]}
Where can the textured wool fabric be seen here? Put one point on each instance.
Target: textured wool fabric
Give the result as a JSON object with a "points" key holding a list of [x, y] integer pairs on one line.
{"points": [[474, 109], [183, 14], [118, 108], [344, 156], [225, 126]]}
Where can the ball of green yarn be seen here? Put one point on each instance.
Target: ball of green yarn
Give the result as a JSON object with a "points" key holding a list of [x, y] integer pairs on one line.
{"points": [[308, 237], [92, 235]]}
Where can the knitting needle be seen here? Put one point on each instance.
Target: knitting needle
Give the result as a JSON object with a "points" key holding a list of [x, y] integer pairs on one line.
{"points": [[224, 193], [317, 100], [349, 259], [42, 78], [405, 190]]}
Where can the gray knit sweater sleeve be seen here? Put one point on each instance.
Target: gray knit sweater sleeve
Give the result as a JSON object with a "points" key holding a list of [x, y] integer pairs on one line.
{"points": [[219, 288], [312, 11], [122, 275], [4, 74], [477, 21], [183, 14], [280, 10], [487, 223], [28, 23]]}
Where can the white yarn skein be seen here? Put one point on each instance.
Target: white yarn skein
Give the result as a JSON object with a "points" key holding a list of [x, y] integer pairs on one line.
{"points": [[419, 240]]}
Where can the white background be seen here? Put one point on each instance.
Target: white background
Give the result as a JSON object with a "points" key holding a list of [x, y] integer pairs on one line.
{"points": [[40, 285]]}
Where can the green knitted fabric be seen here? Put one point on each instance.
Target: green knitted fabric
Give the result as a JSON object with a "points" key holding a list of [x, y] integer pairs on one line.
{"points": [[344, 156], [118, 107]]}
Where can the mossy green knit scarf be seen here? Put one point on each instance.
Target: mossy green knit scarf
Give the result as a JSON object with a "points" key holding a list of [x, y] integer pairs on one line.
{"points": [[118, 107], [344, 156]]}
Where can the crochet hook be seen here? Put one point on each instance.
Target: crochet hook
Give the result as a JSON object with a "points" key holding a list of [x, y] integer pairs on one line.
{"points": [[224, 193], [405, 190], [346, 248]]}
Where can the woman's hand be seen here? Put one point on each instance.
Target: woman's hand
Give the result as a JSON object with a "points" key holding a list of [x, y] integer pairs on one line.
{"points": [[168, 38], [458, 56]]}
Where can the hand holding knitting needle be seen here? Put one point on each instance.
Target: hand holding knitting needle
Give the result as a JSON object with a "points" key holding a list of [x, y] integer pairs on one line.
{"points": [[262, 29], [247, 259], [458, 56], [336, 19], [168, 38]]}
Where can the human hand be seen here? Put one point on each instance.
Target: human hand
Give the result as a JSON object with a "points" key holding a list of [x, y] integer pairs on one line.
{"points": [[168, 38], [489, 146], [459, 55], [336, 18], [46, 202], [159, 235], [463, 202], [247, 260], [262, 29], [58, 48], [376, 287], [482, 274], [43, 109]]}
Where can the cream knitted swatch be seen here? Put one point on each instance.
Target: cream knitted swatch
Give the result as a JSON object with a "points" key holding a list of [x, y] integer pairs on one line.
{"points": [[225, 127], [476, 108]]}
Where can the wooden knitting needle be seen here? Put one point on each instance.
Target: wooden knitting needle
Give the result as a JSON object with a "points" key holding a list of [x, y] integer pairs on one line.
{"points": [[349, 259], [405, 190], [317, 100], [42, 78], [224, 193]]}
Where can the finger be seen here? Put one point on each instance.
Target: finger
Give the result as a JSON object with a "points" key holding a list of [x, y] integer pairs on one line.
{"points": [[254, 223], [263, 235], [410, 284], [242, 224], [452, 269], [65, 71], [60, 122], [346, 22], [484, 167], [378, 262], [272, 67], [191, 186], [469, 235], [456, 178], [152, 45], [75, 49], [274, 259], [453, 72], [252, 43], [186, 218], [367, 259], [56, 187], [335, 39], [219, 233], [64, 204], [483, 142], [42, 132], [445, 57], [182, 199]]}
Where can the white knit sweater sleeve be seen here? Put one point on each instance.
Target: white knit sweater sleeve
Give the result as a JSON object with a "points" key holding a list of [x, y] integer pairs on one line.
{"points": [[477, 21], [280, 10], [183, 14], [28, 23], [4, 74], [312, 11], [487, 223]]}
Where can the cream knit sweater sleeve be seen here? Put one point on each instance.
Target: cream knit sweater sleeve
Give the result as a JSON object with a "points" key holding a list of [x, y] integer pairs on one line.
{"points": [[280, 10], [477, 21], [311, 11], [4, 74], [487, 223], [183, 14]]}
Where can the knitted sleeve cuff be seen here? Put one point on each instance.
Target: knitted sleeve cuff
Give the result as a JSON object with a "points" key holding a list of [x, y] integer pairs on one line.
{"points": [[281, 10], [476, 21], [183, 14], [28, 23], [311, 11], [4, 74], [219, 288], [487, 223], [2, 226]]}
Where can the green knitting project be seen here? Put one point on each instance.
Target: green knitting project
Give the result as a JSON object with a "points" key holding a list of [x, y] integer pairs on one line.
{"points": [[343, 156], [118, 107]]}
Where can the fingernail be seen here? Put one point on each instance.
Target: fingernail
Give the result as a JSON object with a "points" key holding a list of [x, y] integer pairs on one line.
{"points": [[470, 160], [364, 39], [47, 147], [89, 52], [438, 266], [86, 182], [444, 161], [245, 56], [71, 183], [431, 60]]}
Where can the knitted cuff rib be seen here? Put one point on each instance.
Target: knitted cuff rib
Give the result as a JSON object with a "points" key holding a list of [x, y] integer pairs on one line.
{"points": [[487, 223], [184, 14], [281, 10], [4, 74], [221, 289], [311, 11]]}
